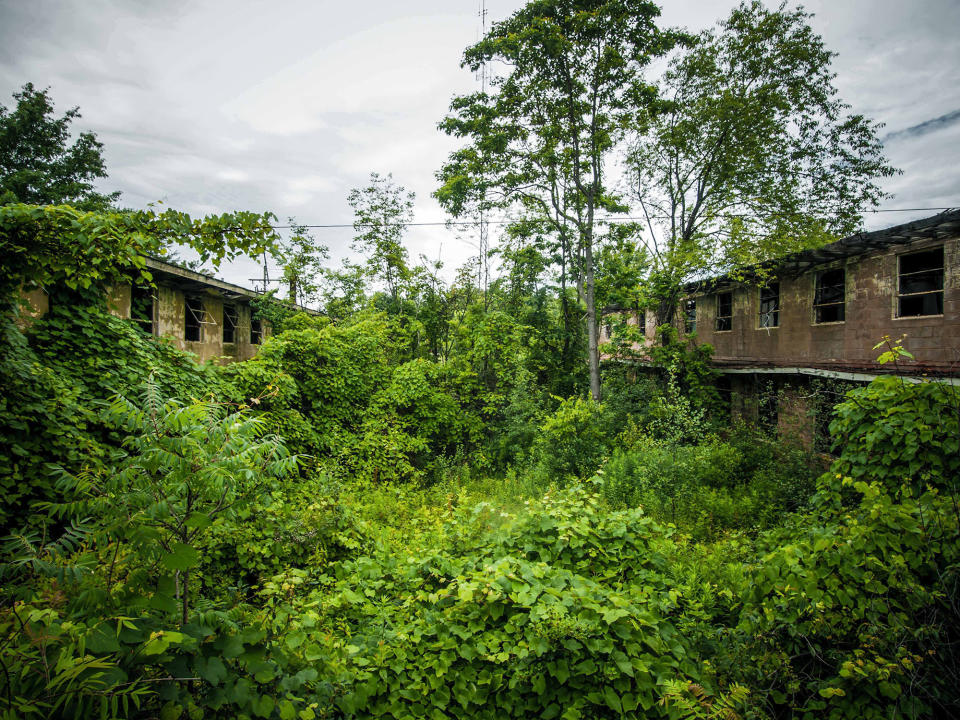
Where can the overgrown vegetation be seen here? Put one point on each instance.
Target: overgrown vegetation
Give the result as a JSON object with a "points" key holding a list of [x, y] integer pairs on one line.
{"points": [[333, 530], [415, 504]]}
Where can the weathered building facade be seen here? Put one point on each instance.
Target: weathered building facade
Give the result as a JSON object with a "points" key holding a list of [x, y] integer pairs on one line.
{"points": [[209, 317], [820, 314]]}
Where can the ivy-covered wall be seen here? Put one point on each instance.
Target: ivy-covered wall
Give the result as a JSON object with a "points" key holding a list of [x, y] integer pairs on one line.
{"points": [[169, 315]]}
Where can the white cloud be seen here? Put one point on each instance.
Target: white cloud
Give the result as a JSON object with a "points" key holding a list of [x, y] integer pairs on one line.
{"points": [[218, 105]]}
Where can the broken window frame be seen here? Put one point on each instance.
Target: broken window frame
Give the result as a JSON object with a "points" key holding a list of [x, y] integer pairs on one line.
{"points": [[724, 321], [642, 322], [834, 310], [195, 316], [256, 331], [146, 321], [768, 406], [231, 323], [936, 271], [769, 313], [690, 316]]}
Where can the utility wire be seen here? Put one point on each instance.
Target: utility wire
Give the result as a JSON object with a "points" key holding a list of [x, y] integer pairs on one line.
{"points": [[504, 221]]}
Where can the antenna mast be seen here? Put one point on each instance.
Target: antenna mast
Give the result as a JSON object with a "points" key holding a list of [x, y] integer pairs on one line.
{"points": [[483, 279]]}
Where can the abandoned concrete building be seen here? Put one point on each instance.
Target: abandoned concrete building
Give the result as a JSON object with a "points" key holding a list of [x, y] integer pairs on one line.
{"points": [[820, 314], [197, 312]]}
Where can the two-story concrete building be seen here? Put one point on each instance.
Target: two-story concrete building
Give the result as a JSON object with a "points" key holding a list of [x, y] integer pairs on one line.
{"points": [[197, 312], [820, 314]]}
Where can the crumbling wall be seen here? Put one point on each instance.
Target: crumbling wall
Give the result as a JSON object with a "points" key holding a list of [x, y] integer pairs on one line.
{"points": [[871, 297]]}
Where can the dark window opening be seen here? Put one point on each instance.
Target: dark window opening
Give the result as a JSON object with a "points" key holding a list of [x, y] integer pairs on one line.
{"points": [[256, 331], [724, 312], [642, 322], [822, 441], [829, 297], [141, 307], [231, 319], [768, 411], [920, 286], [770, 306], [690, 315], [193, 318], [608, 328], [725, 390]]}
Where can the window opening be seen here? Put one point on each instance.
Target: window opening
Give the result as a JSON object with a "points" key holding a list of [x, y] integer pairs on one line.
{"points": [[829, 297], [642, 322], [256, 331], [194, 318], [724, 312], [768, 410], [920, 286], [690, 314], [141, 307], [231, 320], [770, 306]]}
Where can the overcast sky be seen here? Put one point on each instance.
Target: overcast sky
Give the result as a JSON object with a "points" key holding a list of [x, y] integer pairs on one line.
{"points": [[217, 105]]}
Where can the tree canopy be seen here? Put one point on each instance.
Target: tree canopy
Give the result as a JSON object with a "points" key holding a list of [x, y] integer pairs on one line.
{"points": [[38, 163], [540, 142], [754, 155]]}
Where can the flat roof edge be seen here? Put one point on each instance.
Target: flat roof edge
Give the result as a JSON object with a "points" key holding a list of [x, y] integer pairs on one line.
{"points": [[835, 374]]}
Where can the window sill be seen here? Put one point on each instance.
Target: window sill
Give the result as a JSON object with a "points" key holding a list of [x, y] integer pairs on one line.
{"points": [[771, 327], [917, 317], [832, 322], [722, 332]]}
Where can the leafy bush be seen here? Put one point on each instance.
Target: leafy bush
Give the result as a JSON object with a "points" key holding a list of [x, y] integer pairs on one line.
{"points": [[540, 617], [709, 488], [113, 616], [58, 374], [298, 524], [572, 441], [854, 615], [335, 393], [899, 432]]}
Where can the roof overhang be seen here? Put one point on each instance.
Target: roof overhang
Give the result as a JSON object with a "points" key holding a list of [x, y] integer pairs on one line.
{"points": [[192, 281], [936, 227]]}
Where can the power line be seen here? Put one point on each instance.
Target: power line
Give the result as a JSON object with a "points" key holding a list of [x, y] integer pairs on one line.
{"points": [[506, 221]]}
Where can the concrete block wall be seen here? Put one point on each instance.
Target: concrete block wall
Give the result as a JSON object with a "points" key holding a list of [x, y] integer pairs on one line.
{"points": [[871, 307], [170, 321]]}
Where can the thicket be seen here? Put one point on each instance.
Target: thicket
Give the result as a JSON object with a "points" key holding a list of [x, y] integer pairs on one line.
{"points": [[409, 507], [315, 533]]}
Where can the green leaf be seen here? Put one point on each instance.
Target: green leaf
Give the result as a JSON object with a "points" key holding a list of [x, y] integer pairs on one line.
{"points": [[171, 711], [183, 557], [612, 699], [263, 705], [214, 671]]}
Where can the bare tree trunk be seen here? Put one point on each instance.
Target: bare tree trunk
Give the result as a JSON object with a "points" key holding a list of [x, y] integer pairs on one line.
{"points": [[185, 599], [592, 323]]}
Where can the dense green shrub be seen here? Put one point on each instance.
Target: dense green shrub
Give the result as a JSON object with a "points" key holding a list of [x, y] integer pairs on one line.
{"points": [[708, 488], [900, 432], [541, 617], [57, 374], [298, 524], [110, 618], [337, 394], [572, 441], [854, 615]]}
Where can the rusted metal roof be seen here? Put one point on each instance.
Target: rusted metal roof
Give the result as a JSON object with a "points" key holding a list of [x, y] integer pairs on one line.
{"points": [[936, 227], [192, 281]]}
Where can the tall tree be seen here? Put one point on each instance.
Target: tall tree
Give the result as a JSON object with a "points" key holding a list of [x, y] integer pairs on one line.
{"points": [[382, 211], [302, 262], [541, 139], [38, 166], [755, 156]]}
